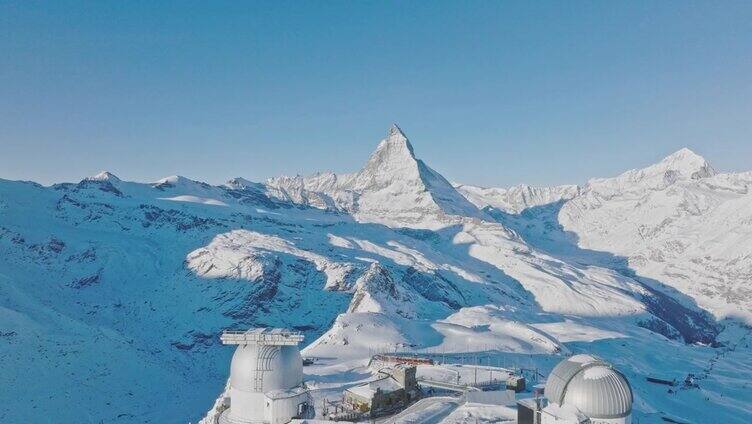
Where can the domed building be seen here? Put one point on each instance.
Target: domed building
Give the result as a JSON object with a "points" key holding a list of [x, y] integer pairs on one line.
{"points": [[266, 377], [581, 389]]}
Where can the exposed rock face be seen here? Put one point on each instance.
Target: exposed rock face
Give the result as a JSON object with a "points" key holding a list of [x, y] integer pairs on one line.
{"points": [[376, 291]]}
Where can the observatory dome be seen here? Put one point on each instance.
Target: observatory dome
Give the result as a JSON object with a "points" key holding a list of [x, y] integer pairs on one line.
{"points": [[592, 385], [266, 377], [263, 368]]}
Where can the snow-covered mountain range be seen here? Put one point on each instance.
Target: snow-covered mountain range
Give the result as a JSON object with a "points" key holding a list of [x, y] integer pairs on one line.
{"points": [[678, 222], [112, 293]]}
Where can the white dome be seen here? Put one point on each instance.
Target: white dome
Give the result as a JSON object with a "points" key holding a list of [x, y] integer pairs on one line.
{"points": [[261, 368], [592, 386]]}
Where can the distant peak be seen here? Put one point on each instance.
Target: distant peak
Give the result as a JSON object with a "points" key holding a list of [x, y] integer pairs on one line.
{"points": [[104, 176], [688, 163], [683, 154], [239, 183], [682, 165], [178, 180], [172, 179]]}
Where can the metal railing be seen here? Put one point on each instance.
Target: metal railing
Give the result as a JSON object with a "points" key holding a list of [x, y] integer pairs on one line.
{"points": [[262, 336]]}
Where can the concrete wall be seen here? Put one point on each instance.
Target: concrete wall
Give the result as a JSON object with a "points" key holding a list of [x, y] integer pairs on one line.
{"points": [[625, 420], [525, 415], [388, 400], [497, 397], [281, 411], [405, 376], [245, 405]]}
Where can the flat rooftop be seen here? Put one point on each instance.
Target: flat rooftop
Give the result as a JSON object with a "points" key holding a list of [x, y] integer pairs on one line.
{"points": [[367, 390], [262, 336]]}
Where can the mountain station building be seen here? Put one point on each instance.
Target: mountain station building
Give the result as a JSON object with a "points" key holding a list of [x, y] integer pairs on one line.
{"points": [[394, 387]]}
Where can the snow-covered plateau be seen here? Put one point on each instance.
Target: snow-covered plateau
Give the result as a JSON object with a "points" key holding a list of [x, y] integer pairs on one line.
{"points": [[113, 293]]}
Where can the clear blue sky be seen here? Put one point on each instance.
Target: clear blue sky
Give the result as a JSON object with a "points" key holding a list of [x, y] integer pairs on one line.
{"points": [[490, 93]]}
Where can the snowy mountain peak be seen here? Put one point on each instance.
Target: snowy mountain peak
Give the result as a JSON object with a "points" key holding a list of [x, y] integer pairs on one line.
{"points": [[180, 181], [104, 176], [393, 187], [684, 152], [172, 179], [177, 180], [683, 165], [688, 164], [104, 181], [240, 183], [393, 159], [394, 148]]}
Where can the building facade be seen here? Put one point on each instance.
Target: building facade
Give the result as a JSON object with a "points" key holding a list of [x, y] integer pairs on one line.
{"points": [[393, 388]]}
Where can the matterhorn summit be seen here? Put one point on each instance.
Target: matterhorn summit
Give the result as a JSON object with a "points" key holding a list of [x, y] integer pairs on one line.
{"points": [[394, 187], [393, 159]]}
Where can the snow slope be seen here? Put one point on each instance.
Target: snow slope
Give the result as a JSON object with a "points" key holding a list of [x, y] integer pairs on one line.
{"points": [[112, 293], [677, 223], [518, 198]]}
